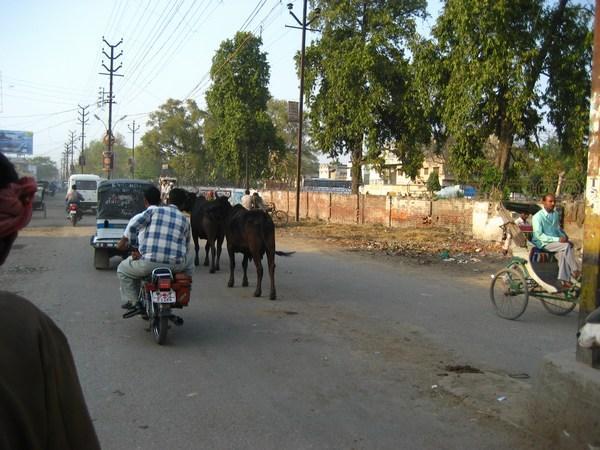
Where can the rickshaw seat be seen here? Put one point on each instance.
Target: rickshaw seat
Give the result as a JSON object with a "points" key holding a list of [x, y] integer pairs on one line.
{"points": [[539, 255]]}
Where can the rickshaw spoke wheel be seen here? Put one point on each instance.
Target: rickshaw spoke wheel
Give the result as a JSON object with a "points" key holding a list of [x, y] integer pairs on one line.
{"points": [[557, 307], [509, 293]]}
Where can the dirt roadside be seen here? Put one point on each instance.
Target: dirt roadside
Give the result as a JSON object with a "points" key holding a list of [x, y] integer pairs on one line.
{"points": [[455, 253], [490, 395]]}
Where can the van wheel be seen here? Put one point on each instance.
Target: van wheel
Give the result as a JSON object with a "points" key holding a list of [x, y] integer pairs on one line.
{"points": [[101, 258]]}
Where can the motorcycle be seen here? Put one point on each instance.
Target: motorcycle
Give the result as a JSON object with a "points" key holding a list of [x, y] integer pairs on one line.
{"points": [[159, 295], [74, 214]]}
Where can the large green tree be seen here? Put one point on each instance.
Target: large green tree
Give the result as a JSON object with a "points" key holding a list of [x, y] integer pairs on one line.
{"points": [[283, 165], [239, 126], [359, 83], [491, 71], [175, 137], [46, 168], [93, 158]]}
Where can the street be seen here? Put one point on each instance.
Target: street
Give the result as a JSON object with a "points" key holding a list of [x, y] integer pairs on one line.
{"points": [[347, 357]]}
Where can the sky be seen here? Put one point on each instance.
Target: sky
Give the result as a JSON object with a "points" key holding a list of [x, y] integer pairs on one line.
{"points": [[51, 57]]}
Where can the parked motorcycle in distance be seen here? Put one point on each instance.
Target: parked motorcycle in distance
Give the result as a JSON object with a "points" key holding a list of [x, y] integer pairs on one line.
{"points": [[159, 295], [74, 214]]}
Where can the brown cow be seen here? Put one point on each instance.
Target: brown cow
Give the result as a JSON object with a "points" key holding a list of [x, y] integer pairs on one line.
{"points": [[252, 233]]}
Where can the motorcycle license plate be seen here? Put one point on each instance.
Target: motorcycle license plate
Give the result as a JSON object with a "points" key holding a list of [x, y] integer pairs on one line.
{"points": [[163, 297]]}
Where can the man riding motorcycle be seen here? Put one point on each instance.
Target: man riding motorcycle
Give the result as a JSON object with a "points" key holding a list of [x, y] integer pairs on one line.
{"points": [[166, 239], [74, 197]]}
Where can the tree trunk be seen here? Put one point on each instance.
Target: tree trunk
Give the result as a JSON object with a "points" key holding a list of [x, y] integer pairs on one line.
{"points": [[356, 159], [504, 148]]}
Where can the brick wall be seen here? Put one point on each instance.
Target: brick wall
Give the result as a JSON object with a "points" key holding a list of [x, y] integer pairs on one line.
{"points": [[455, 214]]}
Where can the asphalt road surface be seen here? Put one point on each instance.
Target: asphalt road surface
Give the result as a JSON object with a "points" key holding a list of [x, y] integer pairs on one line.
{"points": [[345, 358]]}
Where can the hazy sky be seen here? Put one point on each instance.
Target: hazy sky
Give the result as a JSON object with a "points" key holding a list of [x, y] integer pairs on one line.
{"points": [[51, 53]]}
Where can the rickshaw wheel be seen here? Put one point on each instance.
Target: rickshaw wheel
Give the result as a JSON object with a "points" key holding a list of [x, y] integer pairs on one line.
{"points": [[509, 293], [558, 307]]}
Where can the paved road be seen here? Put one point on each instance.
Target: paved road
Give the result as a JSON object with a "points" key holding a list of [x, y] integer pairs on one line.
{"points": [[344, 359]]}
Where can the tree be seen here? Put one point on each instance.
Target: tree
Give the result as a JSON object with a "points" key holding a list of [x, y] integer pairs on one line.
{"points": [[175, 138], [486, 66], [359, 83], [239, 129], [282, 165], [46, 168], [433, 182]]}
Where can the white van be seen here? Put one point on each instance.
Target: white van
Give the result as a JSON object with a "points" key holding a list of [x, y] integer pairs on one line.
{"points": [[87, 186]]}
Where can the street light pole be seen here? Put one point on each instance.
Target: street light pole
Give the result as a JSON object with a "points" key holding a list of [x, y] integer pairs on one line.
{"points": [[133, 129], [591, 238], [303, 24]]}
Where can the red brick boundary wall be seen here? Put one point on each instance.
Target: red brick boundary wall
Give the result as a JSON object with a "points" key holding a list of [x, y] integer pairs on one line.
{"points": [[388, 211], [392, 211]]}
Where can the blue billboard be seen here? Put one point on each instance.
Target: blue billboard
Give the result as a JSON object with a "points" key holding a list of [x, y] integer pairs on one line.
{"points": [[19, 142]]}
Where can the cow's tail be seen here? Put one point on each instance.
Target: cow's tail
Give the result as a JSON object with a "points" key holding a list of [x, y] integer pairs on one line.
{"points": [[277, 252]]}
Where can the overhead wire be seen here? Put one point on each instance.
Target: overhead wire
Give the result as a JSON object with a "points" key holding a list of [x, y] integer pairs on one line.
{"points": [[166, 20], [199, 86], [157, 52]]}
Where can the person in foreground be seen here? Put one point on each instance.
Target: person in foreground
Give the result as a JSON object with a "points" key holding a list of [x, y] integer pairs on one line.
{"points": [[548, 235], [41, 401], [166, 239]]}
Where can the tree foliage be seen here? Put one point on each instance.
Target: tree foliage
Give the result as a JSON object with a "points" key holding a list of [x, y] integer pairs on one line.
{"points": [[482, 79], [175, 138], [238, 123], [93, 158], [359, 82], [46, 168], [433, 182], [283, 165]]}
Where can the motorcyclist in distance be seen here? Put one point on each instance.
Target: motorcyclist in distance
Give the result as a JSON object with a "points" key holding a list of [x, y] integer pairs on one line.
{"points": [[73, 197]]}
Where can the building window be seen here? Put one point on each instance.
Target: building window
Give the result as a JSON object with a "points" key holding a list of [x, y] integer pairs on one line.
{"points": [[436, 170], [425, 170]]}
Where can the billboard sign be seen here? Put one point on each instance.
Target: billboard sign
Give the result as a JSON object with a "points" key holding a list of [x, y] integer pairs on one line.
{"points": [[18, 142]]}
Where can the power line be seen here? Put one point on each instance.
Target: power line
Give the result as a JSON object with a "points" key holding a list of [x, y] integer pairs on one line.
{"points": [[27, 116], [152, 73], [196, 90]]}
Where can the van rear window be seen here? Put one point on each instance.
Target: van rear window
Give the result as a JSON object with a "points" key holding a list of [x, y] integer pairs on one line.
{"points": [[86, 185]]}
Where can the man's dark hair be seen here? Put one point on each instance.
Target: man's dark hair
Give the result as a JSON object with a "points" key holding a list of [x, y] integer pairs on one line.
{"points": [[152, 195], [8, 174], [74, 187], [247, 192], [547, 195], [178, 197]]}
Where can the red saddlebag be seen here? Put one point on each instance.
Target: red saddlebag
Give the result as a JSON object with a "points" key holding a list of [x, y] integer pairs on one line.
{"points": [[182, 287]]}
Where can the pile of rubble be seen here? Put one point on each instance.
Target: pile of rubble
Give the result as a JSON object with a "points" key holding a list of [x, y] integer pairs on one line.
{"points": [[425, 244]]}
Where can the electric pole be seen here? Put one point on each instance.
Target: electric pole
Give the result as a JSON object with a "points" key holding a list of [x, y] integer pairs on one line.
{"points": [[591, 237], [108, 157], [133, 129], [82, 120], [303, 26], [72, 138], [66, 153]]}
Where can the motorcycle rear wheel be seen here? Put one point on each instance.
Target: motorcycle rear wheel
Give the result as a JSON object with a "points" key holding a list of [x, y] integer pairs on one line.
{"points": [[160, 326]]}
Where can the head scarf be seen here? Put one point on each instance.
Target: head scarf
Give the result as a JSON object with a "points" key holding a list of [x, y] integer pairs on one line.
{"points": [[16, 205]]}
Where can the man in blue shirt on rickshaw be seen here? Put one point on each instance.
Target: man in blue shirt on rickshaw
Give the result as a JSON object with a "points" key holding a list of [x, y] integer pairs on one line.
{"points": [[549, 236]]}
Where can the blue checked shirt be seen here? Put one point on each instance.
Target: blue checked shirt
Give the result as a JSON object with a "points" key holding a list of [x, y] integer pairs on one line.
{"points": [[166, 234]]}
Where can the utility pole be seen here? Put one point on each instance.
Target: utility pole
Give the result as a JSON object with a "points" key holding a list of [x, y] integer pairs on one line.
{"points": [[111, 73], [133, 129], [72, 138], [66, 153], [303, 26], [82, 120], [591, 237]]}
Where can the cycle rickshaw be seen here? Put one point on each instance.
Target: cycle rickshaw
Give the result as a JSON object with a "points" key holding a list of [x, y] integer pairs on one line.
{"points": [[531, 272], [38, 203]]}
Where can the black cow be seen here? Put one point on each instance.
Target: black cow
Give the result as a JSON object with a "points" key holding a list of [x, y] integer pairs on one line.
{"points": [[252, 233], [208, 222]]}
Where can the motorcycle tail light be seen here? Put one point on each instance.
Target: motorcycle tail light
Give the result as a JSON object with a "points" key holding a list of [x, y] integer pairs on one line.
{"points": [[164, 283], [73, 207]]}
